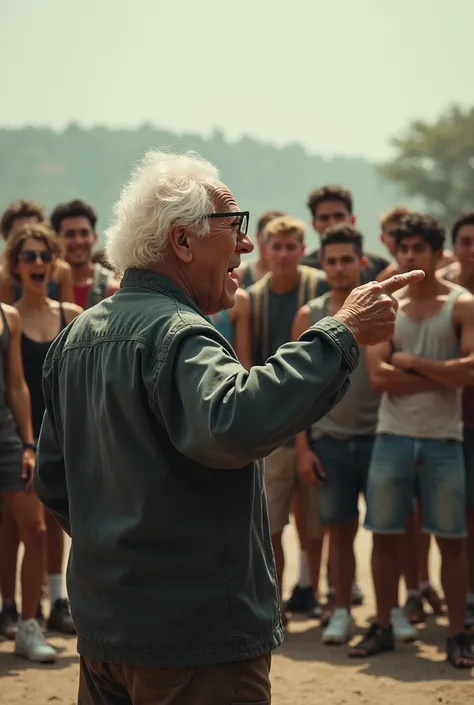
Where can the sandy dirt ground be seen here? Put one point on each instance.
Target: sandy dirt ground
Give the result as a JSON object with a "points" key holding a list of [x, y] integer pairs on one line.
{"points": [[304, 671]]}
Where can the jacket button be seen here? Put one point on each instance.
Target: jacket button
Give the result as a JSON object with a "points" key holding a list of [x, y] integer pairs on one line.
{"points": [[354, 351]]}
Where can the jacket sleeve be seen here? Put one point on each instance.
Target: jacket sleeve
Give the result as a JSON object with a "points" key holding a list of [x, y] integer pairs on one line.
{"points": [[224, 416], [49, 479]]}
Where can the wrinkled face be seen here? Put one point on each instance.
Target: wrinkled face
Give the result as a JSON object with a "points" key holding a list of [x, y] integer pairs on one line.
{"points": [[35, 265], [464, 248], [283, 253], [342, 265], [78, 239], [413, 252], [331, 213], [207, 262]]}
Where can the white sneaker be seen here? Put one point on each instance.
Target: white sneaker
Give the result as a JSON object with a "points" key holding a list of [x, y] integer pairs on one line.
{"points": [[339, 627], [402, 629], [30, 643]]}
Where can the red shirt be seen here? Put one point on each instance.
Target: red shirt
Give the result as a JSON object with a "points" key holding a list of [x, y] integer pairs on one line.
{"points": [[81, 293]]}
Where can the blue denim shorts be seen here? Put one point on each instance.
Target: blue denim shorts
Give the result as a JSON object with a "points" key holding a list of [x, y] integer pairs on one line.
{"points": [[436, 465], [346, 463], [468, 447]]}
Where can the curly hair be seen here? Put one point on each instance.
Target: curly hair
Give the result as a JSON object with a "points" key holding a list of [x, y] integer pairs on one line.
{"points": [[20, 209], [329, 193], [424, 226], [72, 209]]}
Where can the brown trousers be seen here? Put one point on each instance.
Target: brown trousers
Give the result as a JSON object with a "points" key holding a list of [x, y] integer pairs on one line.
{"points": [[239, 683]]}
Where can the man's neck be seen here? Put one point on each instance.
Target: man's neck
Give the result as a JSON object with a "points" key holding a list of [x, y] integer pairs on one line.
{"points": [[82, 272], [282, 284], [337, 298], [427, 288]]}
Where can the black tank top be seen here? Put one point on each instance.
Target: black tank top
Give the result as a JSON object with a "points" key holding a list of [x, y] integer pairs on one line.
{"points": [[33, 354]]}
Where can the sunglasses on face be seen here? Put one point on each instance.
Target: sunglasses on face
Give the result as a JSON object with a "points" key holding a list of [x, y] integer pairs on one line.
{"points": [[32, 256], [240, 223]]}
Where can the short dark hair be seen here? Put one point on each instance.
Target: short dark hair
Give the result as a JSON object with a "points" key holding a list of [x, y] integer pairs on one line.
{"points": [[466, 218], [424, 226], [343, 234], [22, 208], [72, 209], [266, 217], [329, 193]]}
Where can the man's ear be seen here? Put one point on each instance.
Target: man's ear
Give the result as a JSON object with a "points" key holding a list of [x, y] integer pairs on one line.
{"points": [[179, 243]]}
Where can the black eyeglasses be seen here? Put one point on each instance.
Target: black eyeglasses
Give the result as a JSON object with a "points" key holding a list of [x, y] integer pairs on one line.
{"points": [[31, 256], [241, 222]]}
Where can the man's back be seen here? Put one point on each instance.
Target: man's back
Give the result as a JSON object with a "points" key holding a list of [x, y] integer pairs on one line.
{"points": [[170, 546]]}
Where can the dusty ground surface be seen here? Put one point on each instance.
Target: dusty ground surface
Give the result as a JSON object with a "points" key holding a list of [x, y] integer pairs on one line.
{"points": [[304, 671]]}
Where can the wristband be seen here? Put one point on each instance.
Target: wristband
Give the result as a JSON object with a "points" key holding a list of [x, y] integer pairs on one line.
{"points": [[29, 446]]}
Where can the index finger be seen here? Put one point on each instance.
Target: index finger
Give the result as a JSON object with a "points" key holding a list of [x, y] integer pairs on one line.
{"points": [[398, 281]]}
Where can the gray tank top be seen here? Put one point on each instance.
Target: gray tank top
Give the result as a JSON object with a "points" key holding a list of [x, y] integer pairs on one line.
{"points": [[434, 414], [356, 414], [9, 436]]}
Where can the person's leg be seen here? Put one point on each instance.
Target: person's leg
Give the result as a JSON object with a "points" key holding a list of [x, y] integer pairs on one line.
{"points": [[410, 564], [279, 487], [468, 447], [443, 496], [60, 619], [337, 509], [302, 599], [9, 544], [29, 516], [389, 493]]}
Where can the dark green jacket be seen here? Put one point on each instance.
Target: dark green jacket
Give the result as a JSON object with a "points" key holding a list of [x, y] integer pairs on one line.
{"points": [[149, 458]]}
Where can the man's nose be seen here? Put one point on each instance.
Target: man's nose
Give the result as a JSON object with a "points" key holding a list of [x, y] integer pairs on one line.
{"points": [[245, 244]]}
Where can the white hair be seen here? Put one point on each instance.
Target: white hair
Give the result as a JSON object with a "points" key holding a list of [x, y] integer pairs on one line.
{"points": [[164, 189]]}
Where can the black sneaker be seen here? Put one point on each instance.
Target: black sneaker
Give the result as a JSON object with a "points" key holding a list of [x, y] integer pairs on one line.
{"points": [[302, 601], [459, 652], [60, 619], [469, 622], [9, 620]]}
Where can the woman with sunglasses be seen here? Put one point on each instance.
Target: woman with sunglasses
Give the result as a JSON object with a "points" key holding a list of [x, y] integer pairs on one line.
{"points": [[30, 256]]}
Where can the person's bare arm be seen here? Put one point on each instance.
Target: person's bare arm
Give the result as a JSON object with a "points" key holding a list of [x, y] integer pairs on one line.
{"points": [[454, 373], [7, 289], [64, 279], [301, 322], [241, 321], [18, 394], [385, 377]]}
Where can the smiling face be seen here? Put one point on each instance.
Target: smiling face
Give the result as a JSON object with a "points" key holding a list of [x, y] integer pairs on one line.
{"points": [[35, 265], [79, 238], [206, 262]]}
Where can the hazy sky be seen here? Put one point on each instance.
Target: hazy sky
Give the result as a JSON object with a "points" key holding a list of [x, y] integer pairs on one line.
{"points": [[338, 77]]}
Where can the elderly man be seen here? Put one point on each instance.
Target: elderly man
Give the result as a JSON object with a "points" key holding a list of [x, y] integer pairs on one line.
{"points": [[150, 446]]}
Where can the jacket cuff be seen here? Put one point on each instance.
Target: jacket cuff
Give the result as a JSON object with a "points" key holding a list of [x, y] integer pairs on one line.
{"points": [[343, 338]]}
